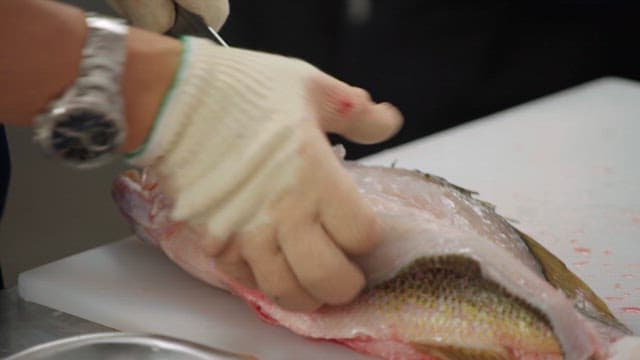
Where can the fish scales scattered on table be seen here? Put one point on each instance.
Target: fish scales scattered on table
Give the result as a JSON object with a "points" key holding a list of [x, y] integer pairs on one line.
{"points": [[451, 280]]}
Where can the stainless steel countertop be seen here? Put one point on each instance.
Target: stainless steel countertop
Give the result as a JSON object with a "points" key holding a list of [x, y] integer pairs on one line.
{"points": [[24, 324]]}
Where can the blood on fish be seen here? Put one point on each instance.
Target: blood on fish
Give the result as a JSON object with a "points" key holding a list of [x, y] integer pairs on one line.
{"points": [[617, 286], [627, 276], [581, 263], [606, 252]]}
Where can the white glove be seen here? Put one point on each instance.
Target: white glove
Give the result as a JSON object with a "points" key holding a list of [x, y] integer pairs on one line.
{"points": [[159, 15], [239, 146]]}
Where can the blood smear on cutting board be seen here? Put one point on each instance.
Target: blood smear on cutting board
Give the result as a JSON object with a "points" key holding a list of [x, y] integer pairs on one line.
{"points": [[631, 310], [582, 250], [614, 298]]}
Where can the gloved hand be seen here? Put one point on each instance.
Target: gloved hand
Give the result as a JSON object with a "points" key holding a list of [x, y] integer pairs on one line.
{"points": [[159, 15], [239, 146]]}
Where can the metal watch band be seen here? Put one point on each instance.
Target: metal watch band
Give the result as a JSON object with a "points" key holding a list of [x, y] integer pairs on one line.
{"points": [[102, 62], [86, 125]]}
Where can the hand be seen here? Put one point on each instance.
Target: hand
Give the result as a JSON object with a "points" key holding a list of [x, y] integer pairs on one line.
{"points": [[240, 148], [159, 15]]}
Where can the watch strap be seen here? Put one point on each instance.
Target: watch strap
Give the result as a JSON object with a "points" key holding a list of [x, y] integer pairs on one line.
{"points": [[86, 125], [102, 63]]}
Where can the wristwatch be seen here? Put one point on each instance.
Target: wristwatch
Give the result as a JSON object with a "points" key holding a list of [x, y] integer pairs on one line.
{"points": [[86, 125]]}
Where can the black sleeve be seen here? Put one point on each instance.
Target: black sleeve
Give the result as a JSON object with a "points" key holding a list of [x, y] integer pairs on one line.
{"points": [[5, 170]]}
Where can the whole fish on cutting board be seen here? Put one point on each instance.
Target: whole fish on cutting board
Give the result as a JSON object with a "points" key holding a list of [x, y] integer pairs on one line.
{"points": [[451, 280]]}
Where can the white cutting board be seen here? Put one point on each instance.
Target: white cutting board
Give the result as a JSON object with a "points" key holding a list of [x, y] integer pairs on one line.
{"points": [[567, 167]]}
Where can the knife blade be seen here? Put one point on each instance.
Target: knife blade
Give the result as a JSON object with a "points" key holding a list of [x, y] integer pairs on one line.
{"points": [[188, 23]]}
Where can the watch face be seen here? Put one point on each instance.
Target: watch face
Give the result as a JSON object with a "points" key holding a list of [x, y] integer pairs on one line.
{"points": [[82, 136]]}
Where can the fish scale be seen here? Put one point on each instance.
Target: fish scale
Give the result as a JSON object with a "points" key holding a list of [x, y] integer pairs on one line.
{"points": [[442, 303]]}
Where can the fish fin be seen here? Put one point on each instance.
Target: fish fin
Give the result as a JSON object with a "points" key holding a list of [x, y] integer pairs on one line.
{"points": [[582, 296], [453, 352], [444, 182]]}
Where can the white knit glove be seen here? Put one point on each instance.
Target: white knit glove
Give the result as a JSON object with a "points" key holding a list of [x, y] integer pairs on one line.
{"points": [[239, 146], [159, 15]]}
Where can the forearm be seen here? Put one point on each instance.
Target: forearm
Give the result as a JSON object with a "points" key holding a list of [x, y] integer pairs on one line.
{"points": [[42, 43]]}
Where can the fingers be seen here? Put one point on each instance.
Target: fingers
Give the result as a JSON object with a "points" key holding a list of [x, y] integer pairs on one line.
{"points": [[300, 267], [214, 12], [350, 112], [159, 15], [273, 274], [320, 266], [212, 245], [347, 218], [231, 262], [154, 15], [350, 222]]}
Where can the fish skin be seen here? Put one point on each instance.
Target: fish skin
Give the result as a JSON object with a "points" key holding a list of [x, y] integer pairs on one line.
{"points": [[426, 220]]}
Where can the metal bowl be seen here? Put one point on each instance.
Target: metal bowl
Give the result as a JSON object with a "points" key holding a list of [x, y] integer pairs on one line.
{"points": [[117, 346]]}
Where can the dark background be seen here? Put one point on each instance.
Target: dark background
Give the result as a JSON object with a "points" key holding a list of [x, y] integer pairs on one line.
{"points": [[446, 62]]}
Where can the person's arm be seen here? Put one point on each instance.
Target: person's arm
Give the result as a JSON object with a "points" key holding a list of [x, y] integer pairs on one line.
{"points": [[42, 43], [238, 146]]}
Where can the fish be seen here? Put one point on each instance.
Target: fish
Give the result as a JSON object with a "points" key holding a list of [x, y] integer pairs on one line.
{"points": [[451, 279]]}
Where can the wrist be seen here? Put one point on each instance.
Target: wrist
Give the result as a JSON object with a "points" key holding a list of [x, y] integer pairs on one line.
{"points": [[150, 67]]}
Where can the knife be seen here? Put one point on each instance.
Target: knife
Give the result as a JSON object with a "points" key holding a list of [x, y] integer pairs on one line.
{"points": [[188, 23]]}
